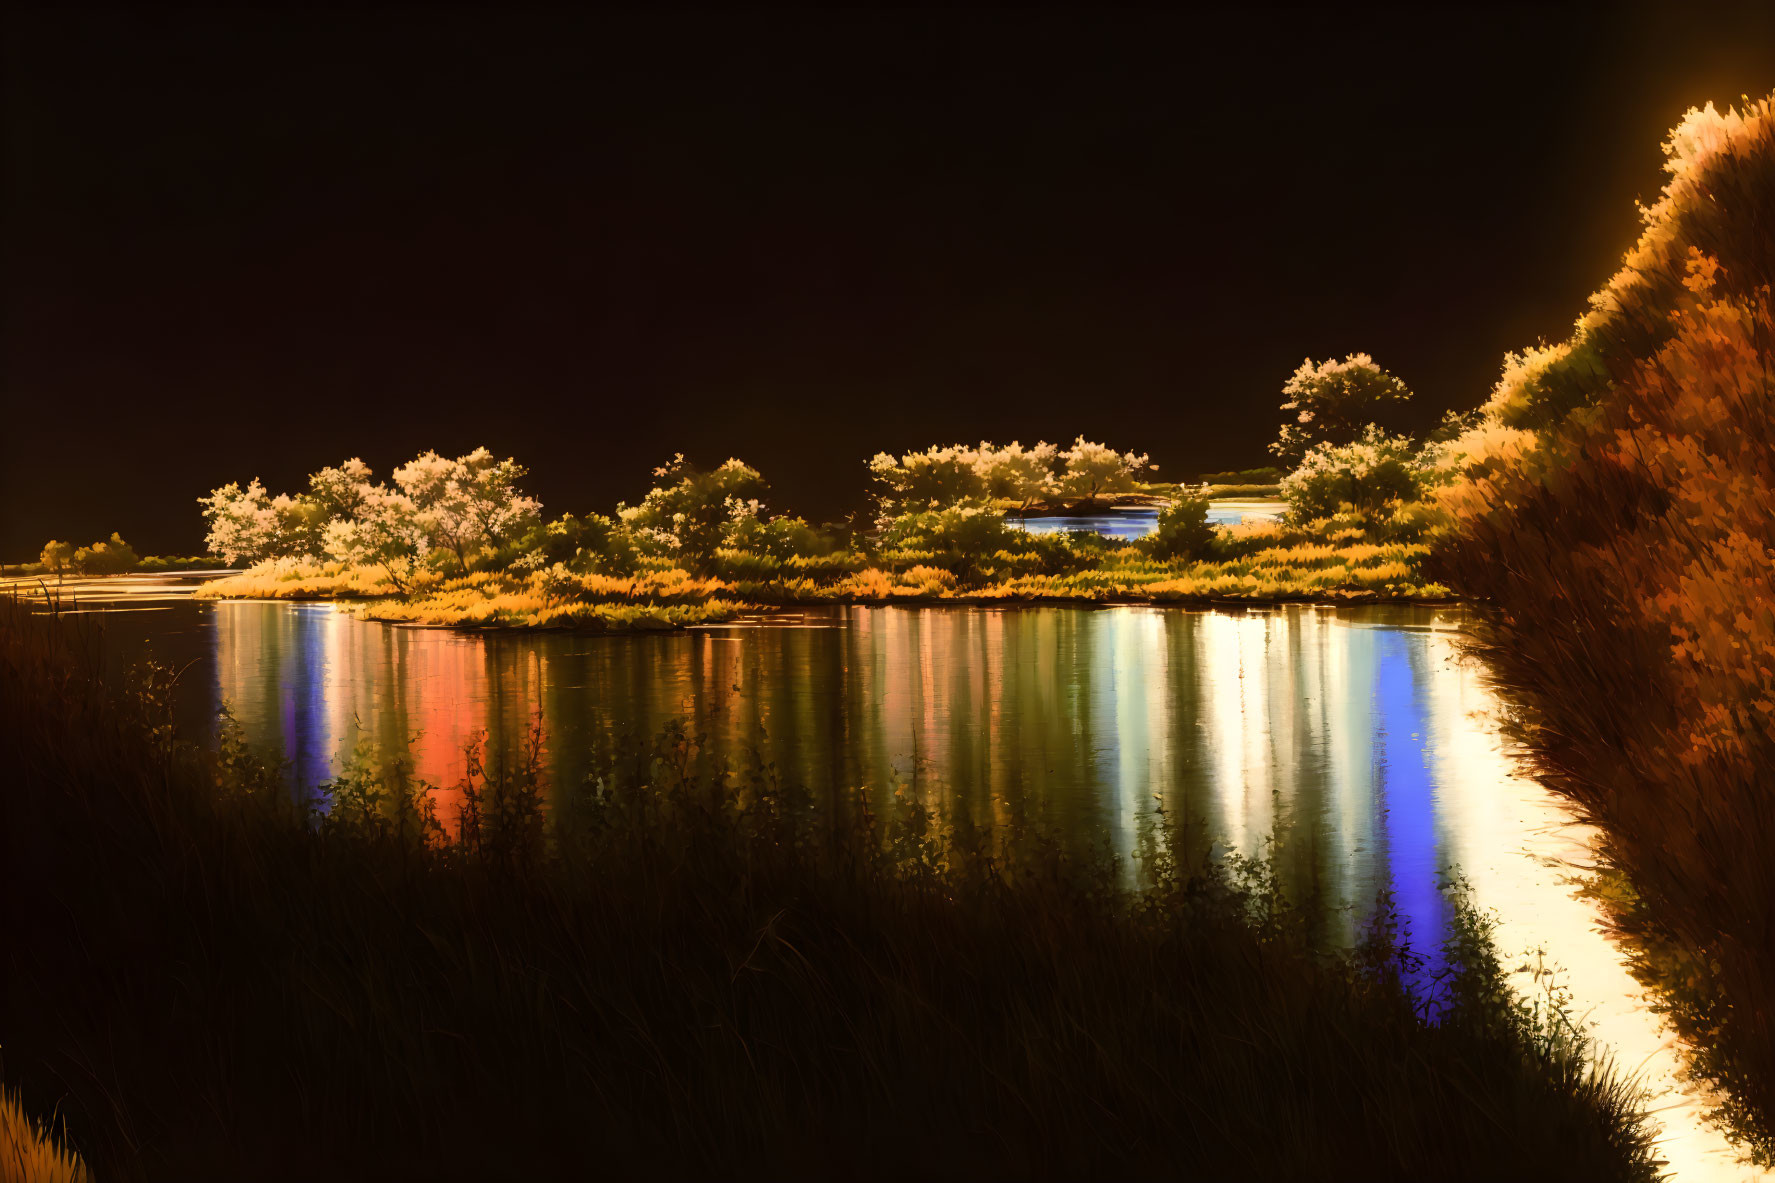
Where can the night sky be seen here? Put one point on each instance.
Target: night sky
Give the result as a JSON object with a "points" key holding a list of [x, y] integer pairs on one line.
{"points": [[244, 245]]}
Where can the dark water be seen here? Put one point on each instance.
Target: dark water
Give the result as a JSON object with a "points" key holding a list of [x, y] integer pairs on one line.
{"points": [[1356, 744]]}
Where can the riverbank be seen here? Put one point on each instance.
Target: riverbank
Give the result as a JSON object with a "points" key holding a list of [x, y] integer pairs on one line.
{"points": [[1058, 573], [1616, 506], [682, 972]]}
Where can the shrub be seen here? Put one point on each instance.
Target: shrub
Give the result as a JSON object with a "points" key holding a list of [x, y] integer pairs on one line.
{"points": [[1367, 474], [963, 535], [1182, 531]]}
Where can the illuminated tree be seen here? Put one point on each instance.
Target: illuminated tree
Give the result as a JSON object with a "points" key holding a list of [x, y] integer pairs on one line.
{"points": [[251, 525], [57, 557], [338, 492], [385, 532], [1094, 469], [694, 513], [469, 502], [931, 479], [1333, 402]]}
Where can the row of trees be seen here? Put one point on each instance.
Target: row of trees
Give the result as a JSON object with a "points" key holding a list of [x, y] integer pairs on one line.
{"points": [[111, 557], [456, 507], [470, 511], [962, 474]]}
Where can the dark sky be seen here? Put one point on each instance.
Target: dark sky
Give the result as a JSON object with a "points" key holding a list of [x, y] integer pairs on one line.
{"points": [[244, 245]]}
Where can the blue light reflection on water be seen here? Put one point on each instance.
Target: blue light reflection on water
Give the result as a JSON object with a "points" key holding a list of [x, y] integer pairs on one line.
{"points": [[1406, 789], [1128, 524]]}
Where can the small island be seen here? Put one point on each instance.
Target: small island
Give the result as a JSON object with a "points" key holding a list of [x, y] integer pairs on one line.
{"points": [[457, 542]]}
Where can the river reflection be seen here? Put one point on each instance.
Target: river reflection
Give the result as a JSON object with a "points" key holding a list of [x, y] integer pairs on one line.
{"points": [[1356, 744], [1325, 733]]}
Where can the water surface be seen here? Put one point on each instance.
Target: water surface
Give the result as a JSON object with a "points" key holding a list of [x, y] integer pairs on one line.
{"points": [[1357, 744]]}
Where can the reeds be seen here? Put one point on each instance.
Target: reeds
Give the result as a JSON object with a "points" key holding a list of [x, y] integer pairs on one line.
{"points": [[691, 971], [29, 1150]]}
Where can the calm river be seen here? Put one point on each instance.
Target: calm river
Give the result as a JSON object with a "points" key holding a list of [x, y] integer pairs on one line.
{"points": [[1359, 741]]}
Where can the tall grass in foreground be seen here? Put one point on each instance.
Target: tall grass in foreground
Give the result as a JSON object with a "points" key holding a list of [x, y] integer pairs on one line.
{"points": [[686, 973], [29, 1150], [1618, 509]]}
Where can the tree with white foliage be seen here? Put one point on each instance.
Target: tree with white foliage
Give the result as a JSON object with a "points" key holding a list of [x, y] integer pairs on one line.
{"points": [[1094, 469], [385, 532], [250, 525], [339, 491], [468, 502]]}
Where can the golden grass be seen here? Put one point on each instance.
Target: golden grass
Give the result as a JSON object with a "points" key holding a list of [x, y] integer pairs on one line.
{"points": [[303, 581], [29, 1152], [1259, 562]]}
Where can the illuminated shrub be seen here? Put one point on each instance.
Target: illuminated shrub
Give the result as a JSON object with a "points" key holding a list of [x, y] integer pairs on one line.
{"points": [[1016, 473], [958, 531], [932, 479], [691, 515], [1182, 530], [1367, 474]]}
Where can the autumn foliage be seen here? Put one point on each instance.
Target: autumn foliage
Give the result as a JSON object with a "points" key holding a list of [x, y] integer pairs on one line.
{"points": [[1618, 507]]}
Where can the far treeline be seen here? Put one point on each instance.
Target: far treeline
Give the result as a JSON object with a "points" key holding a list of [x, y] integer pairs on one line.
{"points": [[457, 541]]}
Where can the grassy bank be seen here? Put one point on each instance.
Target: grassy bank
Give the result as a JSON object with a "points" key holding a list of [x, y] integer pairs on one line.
{"points": [[1617, 510], [1352, 559], [685, 972]]}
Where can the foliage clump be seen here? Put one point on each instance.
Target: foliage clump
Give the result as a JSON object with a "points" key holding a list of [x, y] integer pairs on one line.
{"points": [[111, 557], [1616, 501], [941, 477]]}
